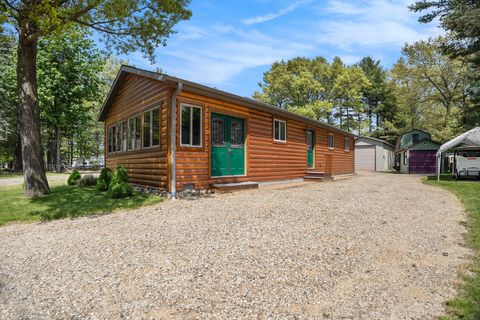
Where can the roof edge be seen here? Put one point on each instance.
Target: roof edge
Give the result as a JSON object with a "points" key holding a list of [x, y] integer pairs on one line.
{"points": [[202, 89]]}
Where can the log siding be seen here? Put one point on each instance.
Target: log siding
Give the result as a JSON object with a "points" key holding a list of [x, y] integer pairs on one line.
{"points": [[265, 158]]}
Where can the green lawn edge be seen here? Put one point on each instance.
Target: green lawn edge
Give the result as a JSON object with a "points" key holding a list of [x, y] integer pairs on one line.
{"points": [[466, 305], [64, 202]]}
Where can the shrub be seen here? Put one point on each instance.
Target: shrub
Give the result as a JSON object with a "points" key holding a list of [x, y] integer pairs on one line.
{"points": [[87, 180], [120, 190], [104, 180], [120, 175], [119, 186], [74, 177]]}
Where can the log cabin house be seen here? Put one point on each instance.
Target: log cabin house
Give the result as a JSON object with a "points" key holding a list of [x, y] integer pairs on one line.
{"points": [[172, 134]]}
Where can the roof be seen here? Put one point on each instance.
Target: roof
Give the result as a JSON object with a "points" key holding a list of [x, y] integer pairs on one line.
{"points": [[209, 92], [376, 139], [399, 139], [412, 146], [469, 138]]}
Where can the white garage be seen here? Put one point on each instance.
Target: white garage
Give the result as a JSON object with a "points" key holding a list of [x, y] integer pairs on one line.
{"points": [[373, 154]]}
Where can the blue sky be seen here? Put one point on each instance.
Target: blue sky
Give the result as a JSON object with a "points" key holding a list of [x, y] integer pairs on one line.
{"points": [[229, 44]]}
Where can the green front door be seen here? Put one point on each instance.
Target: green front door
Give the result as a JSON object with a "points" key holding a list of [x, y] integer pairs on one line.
{"points": [[228, 145], [310, 148]]}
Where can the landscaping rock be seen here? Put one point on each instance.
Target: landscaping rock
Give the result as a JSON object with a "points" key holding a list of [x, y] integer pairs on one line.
{"points": [[365, 248]]}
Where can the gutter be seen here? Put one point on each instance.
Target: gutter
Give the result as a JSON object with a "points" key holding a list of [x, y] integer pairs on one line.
{"points": [[173, 142]]}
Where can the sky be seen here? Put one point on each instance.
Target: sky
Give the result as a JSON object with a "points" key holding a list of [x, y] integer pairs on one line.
{"points": [[230, 44]]}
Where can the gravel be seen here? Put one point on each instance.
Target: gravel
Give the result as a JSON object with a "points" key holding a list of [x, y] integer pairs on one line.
{"points": [[377, 246]]}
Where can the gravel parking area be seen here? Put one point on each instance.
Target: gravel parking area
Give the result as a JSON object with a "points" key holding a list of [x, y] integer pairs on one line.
{"points": [[377, 246]]}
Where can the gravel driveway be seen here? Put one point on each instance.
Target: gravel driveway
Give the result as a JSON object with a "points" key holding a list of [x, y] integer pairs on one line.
{"points": [[377, 246]]}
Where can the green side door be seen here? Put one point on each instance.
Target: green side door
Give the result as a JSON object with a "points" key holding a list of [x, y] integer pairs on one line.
{"points": [[228, 145], [310, 148]]}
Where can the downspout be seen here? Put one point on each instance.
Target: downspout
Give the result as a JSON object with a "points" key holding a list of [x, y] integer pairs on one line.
{"points": [[173, 142]]}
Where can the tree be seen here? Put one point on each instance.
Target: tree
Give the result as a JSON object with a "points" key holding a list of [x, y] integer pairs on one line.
{"points": [[461, 18], [68, 65], [10, 149], [348, 90], [431, 89], [301, 85], [125, 25]]}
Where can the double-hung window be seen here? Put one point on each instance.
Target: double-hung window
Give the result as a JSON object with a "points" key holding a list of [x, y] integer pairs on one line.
{"points": [[151, 128], [191, 126], [134, 137], [331, 141], [346, 144], [279, 130], [116, 138]]}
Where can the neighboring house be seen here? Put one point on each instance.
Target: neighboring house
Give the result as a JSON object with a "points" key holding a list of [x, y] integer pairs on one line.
{"points": [[174, 134], [373, 154], [415, 152]]}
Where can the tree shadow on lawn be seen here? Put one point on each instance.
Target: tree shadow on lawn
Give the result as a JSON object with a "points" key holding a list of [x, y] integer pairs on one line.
{"points": [[73, 201]]}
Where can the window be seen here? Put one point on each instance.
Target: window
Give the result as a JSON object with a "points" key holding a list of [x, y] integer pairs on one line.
{"points": [[279, 130], [331, 141], [346, 144], [110, 139], [151, 128], [218, 132], [415, 137], [134, 137], [236, 133], [405, 158], [191, 126], [116, 138]]}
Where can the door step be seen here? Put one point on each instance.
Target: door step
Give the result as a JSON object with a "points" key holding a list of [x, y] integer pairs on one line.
{"points": [[317, 176], [228, 187]]}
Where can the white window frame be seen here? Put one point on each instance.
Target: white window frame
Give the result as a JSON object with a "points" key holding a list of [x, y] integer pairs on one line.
{"points": [[333, 141], [151, 127], [405, 157], [346, 144], [285, 123], [135, 148], [191, 125]]}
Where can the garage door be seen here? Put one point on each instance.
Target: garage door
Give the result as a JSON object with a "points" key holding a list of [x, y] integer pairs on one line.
{"points": [[422, 161], [365, 158]]}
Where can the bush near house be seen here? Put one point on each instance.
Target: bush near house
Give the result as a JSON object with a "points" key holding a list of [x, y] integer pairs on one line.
{"points": [[104, 179], [74, 178], [119, 186], [87, 180]]}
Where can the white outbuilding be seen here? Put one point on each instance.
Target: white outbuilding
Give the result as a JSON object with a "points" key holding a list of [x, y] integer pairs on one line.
{"points": [[372, 154]]}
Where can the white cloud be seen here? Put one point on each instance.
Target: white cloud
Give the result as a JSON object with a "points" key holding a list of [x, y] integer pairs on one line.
{"points": [[273, 15], [371, 24]]}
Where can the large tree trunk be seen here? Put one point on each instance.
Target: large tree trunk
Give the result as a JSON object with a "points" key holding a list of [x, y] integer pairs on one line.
{"points": [[35, 180], [58, 144]]}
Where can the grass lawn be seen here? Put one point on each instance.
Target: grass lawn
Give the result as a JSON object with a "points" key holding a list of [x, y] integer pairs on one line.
{"points": [[64, 201], [8, 174], [467, 304]]}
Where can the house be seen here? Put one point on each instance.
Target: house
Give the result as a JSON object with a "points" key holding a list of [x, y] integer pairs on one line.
{"points": [[373, 154], [415, 152], [174, 135]]}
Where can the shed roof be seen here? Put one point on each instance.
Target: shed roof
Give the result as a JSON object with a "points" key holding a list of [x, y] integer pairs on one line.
{"points": [[376, 139], [206, 91], [469, 138]]}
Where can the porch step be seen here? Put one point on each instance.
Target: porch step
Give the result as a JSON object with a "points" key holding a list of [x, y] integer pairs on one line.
{"points": [[227, 187], [317, 176], [316, 173]]}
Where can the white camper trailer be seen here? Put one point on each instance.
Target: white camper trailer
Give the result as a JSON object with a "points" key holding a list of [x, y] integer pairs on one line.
{"points": [[466, 162]]}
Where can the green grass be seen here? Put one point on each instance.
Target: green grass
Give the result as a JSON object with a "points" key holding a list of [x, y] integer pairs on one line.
{"points": [[467, 303], [8, 174], [64, 202]]}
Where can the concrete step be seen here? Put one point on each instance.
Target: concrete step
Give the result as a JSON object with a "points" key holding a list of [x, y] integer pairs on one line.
{"points": [[315, 173], [228, 187]]}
